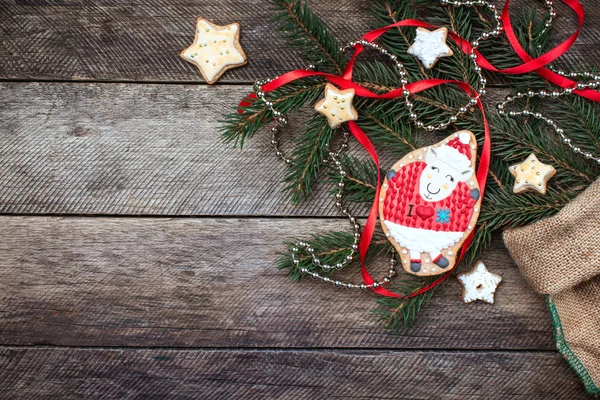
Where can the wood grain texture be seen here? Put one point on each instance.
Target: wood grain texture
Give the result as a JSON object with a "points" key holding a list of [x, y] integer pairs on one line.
{"points": [[212, 283], [104, 40], [127, 149], [141, 40], [189, 298], [50, 373]]}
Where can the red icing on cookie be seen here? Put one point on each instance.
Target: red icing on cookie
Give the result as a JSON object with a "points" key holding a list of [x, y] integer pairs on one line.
{"points": [[404, 205]]}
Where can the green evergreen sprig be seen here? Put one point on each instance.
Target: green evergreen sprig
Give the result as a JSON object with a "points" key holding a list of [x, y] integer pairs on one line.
{"points": [[360, 181], [582, 120], [308, 156], [329, 248], [400, 314], [307, 34], [242, 123]]}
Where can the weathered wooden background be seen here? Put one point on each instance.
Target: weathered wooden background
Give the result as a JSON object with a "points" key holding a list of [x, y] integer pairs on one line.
{"points": [[137, 251]]}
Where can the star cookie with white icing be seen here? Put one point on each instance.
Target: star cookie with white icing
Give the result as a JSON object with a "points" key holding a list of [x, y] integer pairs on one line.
{"points": [[337, 105], [479, 284], [430, 46], [531, 175], [215, 49]]}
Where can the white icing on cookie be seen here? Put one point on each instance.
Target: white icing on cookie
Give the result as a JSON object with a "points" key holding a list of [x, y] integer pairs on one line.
{"points": [[430, 46], [422, 240], [479, 284]]}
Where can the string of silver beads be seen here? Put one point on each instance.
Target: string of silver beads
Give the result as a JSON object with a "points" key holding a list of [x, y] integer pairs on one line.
{"points": [[403, 73], [550, 18], [497, 30], [594, 80], [339, 204], [332, 158], [574, 75], [475, 43], [281, 121], [502, 110]]}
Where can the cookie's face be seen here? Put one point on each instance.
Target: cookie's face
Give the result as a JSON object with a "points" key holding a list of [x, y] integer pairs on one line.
{"points": [[437, 181], [439, 178]]}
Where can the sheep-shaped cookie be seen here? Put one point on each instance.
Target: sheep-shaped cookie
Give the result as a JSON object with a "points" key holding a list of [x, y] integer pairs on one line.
{"points": [[429, 203]]}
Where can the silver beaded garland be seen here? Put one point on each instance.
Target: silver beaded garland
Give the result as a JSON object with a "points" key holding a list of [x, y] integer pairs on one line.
{"points": [[501, 109], [592, 81], [332, 159]]}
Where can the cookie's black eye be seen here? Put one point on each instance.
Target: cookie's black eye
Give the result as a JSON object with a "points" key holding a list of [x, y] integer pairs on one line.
{"points": [[435, 168], [451, 178]]}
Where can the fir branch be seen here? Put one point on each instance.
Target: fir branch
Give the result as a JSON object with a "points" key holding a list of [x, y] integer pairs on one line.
{"points": [[306, 33], [501, 209], [518, 140], [331, 248], [528, 26], [400, 314], [360, 180], [383, 123], [388, 126], [308, 156], [582, 120], [377, 76], [244, 122], [397, 41]]}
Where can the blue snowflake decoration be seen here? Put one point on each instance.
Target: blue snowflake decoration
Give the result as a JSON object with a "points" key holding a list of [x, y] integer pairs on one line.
{"points": [[442, 216]]}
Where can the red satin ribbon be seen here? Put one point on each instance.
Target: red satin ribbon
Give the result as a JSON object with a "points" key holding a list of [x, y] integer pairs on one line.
{"points": [[529, 65], [345, 82]]}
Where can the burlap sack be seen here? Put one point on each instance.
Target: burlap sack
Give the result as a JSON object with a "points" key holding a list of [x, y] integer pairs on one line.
{"points": [[560, 257]]}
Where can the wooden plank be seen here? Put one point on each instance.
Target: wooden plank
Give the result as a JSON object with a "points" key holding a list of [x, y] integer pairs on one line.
{"points": [[104, 40], [212, 283], [133, 149], [139, 150], [141, 40], [49, 373]]}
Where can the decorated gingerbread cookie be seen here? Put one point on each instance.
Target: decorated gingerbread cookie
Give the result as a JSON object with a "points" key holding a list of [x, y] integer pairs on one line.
{"points": [[215, 49], [430, 202], [337, 106], [430, 46], [479, 284], [531, 175]]}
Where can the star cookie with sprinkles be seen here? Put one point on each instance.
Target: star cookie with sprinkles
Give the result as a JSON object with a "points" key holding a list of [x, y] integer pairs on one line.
{"points": [[215, 49], [531, 175], [479, 284], [337, 106], [430, 46]]}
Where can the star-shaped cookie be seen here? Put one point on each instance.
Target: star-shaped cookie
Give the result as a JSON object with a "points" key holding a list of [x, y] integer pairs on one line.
{"points": [[215, 49], [337, 105], [479, 284], [531, 175], [430, 46]]}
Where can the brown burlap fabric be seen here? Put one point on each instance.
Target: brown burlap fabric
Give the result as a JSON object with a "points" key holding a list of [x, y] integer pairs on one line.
{"points": [[560, 257]]}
